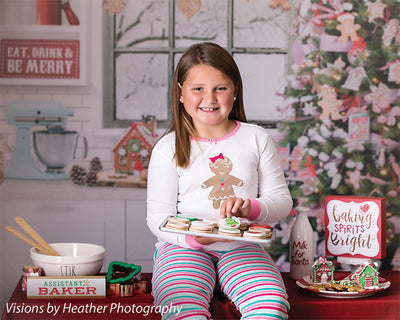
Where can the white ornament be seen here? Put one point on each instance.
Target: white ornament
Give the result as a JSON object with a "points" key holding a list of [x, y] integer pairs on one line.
{"points": [[326, 133], [350, 164], [323, 157], [302, 141], [309, 109], [312, 152], [390, 31], [355, 78], [336, 181], [379, 97], [337, 154], [394, 71]]}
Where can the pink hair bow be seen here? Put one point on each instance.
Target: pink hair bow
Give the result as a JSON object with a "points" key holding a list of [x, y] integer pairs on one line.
{"points": [[220, 156]]}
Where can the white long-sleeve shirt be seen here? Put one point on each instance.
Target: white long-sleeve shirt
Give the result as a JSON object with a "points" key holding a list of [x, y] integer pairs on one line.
{"points": [[245, 162]]}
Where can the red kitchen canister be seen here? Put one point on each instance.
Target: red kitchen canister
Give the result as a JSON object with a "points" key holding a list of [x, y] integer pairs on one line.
{"points": [[48, 12]]}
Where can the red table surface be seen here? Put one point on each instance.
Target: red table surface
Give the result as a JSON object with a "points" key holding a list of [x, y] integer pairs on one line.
{"points": [[304, 305]]}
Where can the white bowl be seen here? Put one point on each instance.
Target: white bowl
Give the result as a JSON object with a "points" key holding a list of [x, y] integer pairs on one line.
{"points": [[75, 259]]}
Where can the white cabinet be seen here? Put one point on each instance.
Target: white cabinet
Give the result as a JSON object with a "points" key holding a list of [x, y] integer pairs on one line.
{"points": [[140, 242], [63, 212], [33, 54], [100, 222]]}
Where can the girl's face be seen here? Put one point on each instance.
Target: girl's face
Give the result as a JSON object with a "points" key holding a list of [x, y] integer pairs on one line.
{"points": [[208, 95]]}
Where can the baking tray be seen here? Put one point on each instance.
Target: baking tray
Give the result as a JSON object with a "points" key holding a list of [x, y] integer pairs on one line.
{"points": [[215, 234]]}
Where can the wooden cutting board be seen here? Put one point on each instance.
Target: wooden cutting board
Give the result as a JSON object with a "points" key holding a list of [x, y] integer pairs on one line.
{"points": [[110, 179]]}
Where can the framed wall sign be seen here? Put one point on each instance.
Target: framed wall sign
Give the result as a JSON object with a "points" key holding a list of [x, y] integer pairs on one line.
{"points": [[39, 59], [355, 227], [38, 52]]}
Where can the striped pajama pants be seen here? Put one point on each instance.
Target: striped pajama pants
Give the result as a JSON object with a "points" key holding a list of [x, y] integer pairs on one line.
{"points": [[247, 275]]}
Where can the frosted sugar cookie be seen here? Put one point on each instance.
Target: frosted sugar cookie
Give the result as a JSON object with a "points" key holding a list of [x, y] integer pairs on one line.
{"points": [[180, 220], [177, 225], [260, 227], [229, 223], [201, 226], [182, 216], [254, 234], [212, 221], [230, 232]]}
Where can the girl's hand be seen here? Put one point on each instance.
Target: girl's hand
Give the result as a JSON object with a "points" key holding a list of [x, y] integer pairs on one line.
{"points": [[235, 207]]}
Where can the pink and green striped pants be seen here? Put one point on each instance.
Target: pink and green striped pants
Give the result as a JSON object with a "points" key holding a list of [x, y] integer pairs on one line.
{"points": [[247, 275]]}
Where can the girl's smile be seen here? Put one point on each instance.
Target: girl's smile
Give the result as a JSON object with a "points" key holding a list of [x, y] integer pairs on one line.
{"points": [[208, 95]]}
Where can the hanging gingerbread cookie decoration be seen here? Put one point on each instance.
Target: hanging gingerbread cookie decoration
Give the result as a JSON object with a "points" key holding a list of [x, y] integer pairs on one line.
{"points": [[347, 27], [283, 3], [222, 182], [189, 7], [114, 6]]}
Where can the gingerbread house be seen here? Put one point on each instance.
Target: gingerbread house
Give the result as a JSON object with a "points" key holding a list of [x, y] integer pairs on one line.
{"points": [[132, 152], [323, 270], [366, 275]]}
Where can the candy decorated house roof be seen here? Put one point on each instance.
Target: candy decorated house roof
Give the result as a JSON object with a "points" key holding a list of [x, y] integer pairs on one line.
{"points": [[322, 261]]}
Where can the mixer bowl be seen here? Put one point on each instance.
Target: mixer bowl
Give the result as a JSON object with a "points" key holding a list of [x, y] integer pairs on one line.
{"points": [[75, 259], [55, 149]]}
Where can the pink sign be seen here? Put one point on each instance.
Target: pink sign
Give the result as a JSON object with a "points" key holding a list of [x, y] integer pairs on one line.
{"points": [[39, 59], [355, 227]]}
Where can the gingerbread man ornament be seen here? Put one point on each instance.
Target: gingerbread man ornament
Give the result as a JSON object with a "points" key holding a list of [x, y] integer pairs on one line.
{"points": [[347, 27], [329, 103], [283, 3], [222, 183]]}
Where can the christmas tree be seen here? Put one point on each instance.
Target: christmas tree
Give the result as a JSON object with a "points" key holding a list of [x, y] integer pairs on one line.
{"points": [[342, 106]]}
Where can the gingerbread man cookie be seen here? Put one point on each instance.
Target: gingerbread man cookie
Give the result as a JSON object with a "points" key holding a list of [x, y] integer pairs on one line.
{"points": [[283, 3], [329, 103], [222, 183], [347, 27]]}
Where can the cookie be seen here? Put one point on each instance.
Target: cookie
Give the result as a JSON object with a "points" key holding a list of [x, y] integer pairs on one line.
{"points": [[188, 218], [177, 225], [178, 220], [243, 224], [212, 221], [201, 226], [230, 232], [254, 234], [260, 227], [229, 223]]}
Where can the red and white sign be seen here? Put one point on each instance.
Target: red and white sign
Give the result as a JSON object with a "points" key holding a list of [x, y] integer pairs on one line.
{"points": [[355, 227], [39, 59], [66, 287]]}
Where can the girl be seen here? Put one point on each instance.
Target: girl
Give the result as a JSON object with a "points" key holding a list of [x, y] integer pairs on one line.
{"points": [[211, 163]]}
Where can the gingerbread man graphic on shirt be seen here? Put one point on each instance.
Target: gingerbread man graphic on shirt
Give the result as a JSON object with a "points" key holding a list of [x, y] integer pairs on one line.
{"points": [[222, 183]]}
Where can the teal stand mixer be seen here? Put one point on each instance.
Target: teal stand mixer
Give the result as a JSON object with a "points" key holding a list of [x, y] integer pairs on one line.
{"points": [[53, 147]]}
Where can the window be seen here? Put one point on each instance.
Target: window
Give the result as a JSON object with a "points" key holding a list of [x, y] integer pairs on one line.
{"points": [[148, 38]]}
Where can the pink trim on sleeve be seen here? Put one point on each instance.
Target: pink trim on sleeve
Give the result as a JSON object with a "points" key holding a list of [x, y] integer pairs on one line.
{"points": [[255, 209], [192, 243]]}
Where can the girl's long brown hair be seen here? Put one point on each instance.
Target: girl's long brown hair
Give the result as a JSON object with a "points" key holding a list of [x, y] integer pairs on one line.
{"points": [[215, 56]]}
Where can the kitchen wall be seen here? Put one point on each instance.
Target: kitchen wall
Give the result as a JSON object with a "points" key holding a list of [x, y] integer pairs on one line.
{"points": [[86, 101], [59, 210]]}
